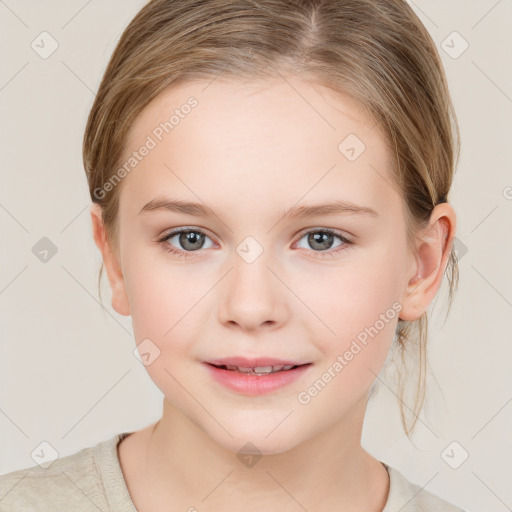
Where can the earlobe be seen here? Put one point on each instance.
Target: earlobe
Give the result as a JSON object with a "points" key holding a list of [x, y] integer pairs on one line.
{"points": [[412, 302], [111, 262]]}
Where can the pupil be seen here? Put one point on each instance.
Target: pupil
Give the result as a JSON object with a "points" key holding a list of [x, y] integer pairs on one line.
{"points": [[189, 238], [323, 239]]}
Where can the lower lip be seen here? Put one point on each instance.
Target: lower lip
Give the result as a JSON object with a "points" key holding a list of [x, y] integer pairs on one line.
{"points": [[248, 384]]}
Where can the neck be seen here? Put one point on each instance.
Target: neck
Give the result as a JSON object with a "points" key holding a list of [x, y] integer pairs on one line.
{"points": [[181, 464]]}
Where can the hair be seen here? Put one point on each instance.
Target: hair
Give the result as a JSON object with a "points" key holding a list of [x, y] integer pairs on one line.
{"points": [[377, 53]]}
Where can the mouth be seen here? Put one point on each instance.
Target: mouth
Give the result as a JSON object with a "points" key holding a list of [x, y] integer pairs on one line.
{"points": [[257, 370], [256, 377]]}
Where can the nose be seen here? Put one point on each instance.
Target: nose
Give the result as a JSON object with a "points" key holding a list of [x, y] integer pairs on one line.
{"points": [[252, 296]]}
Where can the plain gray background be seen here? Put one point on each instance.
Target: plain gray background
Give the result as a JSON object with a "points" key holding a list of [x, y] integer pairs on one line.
{"points": [[68, 375]]}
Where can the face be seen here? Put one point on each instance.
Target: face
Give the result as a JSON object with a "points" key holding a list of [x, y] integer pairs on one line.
{"points": [[316, 288]]}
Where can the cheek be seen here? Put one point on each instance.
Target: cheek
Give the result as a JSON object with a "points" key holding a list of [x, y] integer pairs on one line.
{"points": [[361, 313], [167, 303], [349, 298], [155, 294], [356, 309], [167, 313]]}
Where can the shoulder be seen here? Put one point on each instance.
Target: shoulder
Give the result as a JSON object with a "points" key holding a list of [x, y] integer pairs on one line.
{"points": [[76, 482], [405, 496]]}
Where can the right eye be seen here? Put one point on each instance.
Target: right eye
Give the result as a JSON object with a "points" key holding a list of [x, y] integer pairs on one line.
{"points": [[189, 240]]}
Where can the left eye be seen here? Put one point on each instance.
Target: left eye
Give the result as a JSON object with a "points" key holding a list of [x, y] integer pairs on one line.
{"points": [[322, 239]]}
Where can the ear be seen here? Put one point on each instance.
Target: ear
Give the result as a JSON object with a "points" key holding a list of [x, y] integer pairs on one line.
{"points": [[111, 261], [434, 245]]}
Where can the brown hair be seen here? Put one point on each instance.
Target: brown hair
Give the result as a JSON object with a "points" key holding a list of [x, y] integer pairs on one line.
{"points": [[379, 53]]}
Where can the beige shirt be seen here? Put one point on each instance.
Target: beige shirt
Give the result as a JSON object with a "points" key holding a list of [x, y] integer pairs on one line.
{"points": [[91, 480]]}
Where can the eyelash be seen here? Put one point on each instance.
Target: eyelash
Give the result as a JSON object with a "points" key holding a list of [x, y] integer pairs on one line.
{"points": [[186, 254]]}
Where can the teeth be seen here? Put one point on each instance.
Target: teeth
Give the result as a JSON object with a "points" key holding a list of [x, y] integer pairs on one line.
{"points": [[259, 370], [266, 369]]}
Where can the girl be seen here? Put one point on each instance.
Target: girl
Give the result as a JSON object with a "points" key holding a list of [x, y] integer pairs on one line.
{"points": [[270, 188]]}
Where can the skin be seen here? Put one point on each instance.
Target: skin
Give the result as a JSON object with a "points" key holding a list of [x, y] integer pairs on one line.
{"points": [[249, 151]]}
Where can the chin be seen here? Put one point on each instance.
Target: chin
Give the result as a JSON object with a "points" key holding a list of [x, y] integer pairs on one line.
{"points": [[256, 446], [256, 441]]}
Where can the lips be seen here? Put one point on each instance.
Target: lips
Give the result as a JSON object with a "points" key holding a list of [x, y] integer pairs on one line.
{"points": [[257, 375]]}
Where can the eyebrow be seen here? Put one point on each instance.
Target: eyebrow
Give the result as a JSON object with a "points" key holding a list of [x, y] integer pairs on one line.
{"points": [[301, 212]]}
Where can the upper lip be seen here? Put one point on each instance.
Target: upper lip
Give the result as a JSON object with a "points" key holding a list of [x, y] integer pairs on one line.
{"points": [[244, 362]]}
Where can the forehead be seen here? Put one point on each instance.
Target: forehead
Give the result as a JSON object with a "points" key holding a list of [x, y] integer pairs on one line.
{"points": [[274, 140]]}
